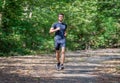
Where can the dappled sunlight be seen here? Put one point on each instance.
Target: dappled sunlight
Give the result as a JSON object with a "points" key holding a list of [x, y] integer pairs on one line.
{"points": [[81, 67]]}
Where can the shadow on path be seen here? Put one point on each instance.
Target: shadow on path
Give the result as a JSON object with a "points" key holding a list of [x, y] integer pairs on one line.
{"points": [[79, 68]]}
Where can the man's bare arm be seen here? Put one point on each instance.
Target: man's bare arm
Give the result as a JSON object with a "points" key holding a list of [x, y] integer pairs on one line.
{"points": [[53, 30]]}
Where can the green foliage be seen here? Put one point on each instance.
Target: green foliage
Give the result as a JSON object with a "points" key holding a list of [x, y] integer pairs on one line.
{"points": [[25, 24]]}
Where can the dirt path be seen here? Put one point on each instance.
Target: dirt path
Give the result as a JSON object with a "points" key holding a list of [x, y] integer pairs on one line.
{"points": [[97, 66]]}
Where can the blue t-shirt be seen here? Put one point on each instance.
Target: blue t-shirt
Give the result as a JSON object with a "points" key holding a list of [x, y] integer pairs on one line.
{"points": [[60, 33]]}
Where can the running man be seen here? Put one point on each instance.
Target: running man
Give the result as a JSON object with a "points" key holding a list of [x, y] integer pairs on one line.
{"points": [[60, 41]]}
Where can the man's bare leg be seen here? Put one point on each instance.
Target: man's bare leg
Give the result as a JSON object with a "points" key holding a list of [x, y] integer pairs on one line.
{"points": [[62, 55], [58, 56], [58, 59]]}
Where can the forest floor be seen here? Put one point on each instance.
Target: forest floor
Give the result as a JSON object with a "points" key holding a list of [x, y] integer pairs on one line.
{"points": [[91, 66]]}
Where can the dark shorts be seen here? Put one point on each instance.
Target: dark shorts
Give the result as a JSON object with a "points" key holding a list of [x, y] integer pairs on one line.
{"points": [[60, 43]]}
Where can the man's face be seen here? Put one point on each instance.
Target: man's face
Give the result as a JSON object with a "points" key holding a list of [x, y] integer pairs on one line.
{"points": [[60, 18]]}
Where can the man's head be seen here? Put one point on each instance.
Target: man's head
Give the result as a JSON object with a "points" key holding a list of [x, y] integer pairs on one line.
{"points": [[60, 17]]}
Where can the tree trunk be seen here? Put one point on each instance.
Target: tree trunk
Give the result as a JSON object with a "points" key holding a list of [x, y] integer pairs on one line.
{"points": [[0, 19]]}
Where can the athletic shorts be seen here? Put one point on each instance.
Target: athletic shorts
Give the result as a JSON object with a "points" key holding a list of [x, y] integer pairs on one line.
{"points": [[60, 43]]}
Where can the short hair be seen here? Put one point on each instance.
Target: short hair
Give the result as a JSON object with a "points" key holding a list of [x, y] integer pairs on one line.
{"points": [[61, 14]]}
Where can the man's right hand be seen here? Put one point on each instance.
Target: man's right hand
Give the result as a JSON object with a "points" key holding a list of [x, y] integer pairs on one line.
{"points": [[58, 28], [54, 30]]}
